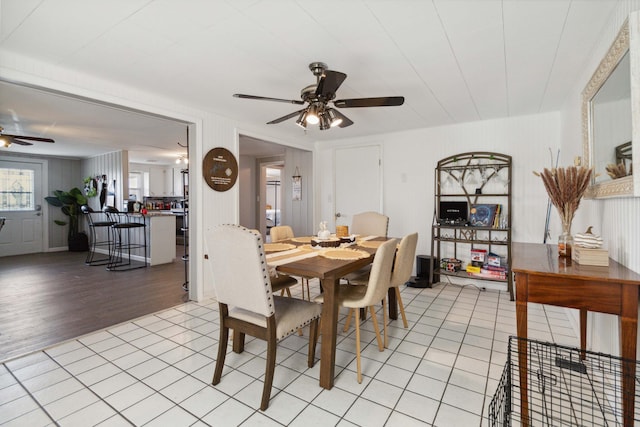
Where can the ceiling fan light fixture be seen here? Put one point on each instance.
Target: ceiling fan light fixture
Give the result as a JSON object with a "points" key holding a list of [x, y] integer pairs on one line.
{"points": [[333, 118], [312, 115], [325, 123], [5, 143], [302, 120]]}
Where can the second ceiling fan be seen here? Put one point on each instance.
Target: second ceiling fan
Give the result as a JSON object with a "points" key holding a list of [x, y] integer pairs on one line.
{"points": [[318, 96], [6, 140]]}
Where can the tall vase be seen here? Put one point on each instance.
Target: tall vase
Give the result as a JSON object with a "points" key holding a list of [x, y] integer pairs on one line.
{"points": [[565, 241]]}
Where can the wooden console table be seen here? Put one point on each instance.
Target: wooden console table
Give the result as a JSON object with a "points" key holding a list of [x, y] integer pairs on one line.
{"points": [[542, 277]]}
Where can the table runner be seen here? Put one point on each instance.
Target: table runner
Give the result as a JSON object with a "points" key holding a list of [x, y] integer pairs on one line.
{"points": [[285, 257]]}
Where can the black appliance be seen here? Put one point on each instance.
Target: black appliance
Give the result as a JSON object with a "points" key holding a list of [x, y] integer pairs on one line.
{"points": [[424, 265], [456, 213]]}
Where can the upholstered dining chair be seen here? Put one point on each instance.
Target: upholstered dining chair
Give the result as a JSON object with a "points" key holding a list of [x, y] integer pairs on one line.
{"points": [[246, 302], [281, 232], [284, 232], [367, 224], [402, 269], [370, 224], [280, 282], [357, 297]]}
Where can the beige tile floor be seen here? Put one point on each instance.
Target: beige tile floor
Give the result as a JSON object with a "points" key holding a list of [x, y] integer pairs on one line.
{"points": [[156, 371]]}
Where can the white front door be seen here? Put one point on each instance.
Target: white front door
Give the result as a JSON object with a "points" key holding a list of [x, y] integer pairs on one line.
{"points": [[358, 182], [21, 204]]}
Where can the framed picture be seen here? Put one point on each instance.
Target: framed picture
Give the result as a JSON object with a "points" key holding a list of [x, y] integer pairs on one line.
{"points": [[483, 215], [297, 188], [220, 169]]}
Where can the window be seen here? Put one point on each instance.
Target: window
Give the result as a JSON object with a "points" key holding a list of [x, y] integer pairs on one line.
{"points": [[17, 189]]}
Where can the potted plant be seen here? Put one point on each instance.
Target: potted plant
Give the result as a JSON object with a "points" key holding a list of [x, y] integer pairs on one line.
{"points": [[70, 203]]}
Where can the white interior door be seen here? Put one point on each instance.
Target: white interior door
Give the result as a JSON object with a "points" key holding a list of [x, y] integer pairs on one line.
{"points": [[21, 204], [358, 182]]}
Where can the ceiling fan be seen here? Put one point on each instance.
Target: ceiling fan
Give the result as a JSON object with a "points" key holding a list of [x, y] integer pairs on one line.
{"points": [[6, 140], [318, 96]]}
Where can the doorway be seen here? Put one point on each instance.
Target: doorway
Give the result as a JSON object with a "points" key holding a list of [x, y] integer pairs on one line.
{"points": [[271, 185], [21, 184], [368, 182], [256, 155]]}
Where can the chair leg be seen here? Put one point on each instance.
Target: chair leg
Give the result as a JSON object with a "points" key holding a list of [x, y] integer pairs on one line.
{"points": [[313, 340], [358, 347], [272, 343], [289, 294], [238, 341], [376, 328], [401, 305], [222, 346], [306, 281], [348, 321], [385, 320]]}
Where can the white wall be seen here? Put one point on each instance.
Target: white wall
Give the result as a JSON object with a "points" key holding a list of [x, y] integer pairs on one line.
{"points": [[409, 160], [115, 166], [299, 213], [615, 219], [248, 183]]}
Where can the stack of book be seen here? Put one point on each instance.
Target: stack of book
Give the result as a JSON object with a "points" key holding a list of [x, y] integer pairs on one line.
{"points": [[488, 272], [589, 256], [492, 272]]}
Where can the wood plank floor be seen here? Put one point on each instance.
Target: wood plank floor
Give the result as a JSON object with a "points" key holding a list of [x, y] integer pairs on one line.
{"points": [[49, 298]]}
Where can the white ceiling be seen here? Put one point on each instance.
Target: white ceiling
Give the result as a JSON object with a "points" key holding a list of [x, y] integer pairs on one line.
{"points": [[454, 61]]}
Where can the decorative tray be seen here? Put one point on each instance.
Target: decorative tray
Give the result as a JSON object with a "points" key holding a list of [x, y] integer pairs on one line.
{"points": [[344, 254], [278, 247]]}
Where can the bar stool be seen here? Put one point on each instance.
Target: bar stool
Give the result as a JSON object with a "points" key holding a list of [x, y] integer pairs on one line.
{"points": [[93, 236], [122, 240]]}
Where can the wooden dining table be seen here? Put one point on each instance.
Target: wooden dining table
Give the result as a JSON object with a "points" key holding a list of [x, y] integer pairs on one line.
{"points": [[329, 271]]}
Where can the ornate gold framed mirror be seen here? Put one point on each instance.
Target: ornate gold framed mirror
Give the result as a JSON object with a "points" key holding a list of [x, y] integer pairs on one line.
{"points": [[607, 125]]}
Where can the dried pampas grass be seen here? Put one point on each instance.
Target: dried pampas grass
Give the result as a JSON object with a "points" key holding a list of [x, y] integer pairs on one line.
{"points": [[565, 187]]}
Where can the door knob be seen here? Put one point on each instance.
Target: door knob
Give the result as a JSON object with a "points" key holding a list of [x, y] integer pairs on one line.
{"points": [[338, 215]]}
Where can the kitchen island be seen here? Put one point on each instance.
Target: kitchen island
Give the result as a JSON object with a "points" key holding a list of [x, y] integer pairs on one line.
{"points": [[161, 237], [160, 232]]}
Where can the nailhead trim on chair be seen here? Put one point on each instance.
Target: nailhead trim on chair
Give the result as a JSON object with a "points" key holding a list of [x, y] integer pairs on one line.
{"points": [[266, 279]]}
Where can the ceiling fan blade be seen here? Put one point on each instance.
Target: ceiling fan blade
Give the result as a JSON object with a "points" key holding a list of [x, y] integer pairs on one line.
{"points": [[345, 120], [329, 83], [386, 101], [12, 140], [287, 117], [30, 138], [265, 98]]}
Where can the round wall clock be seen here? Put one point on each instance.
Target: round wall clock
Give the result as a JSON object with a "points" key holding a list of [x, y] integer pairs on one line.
{"points": [[220, 169]]}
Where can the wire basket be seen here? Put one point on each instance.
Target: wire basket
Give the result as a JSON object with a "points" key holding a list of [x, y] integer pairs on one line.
{"points": [[563, 388]]}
